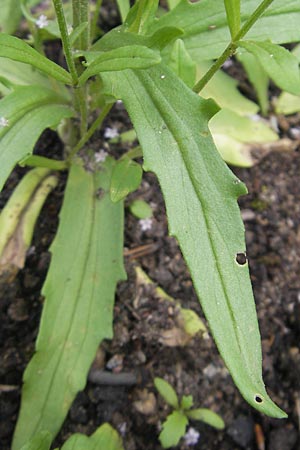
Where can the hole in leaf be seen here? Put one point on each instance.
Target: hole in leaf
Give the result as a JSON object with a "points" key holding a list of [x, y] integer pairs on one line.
{"points": [[258, 398], [241, 258]]}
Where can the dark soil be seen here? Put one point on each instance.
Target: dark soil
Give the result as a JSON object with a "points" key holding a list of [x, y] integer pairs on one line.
{"points": [[271, 214]]}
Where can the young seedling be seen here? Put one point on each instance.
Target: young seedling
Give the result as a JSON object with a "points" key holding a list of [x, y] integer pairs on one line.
{"points": [[174, 427]]}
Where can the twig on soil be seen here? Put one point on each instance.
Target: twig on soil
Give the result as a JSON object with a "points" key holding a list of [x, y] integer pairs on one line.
{"points": [[140, 251], [113, 379], [8, 387]]}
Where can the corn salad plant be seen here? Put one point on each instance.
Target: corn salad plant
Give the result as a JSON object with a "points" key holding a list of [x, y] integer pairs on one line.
{"points": [[150, 62]]}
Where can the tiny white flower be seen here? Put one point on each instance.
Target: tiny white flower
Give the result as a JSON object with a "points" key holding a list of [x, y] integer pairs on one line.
{"points": [[122, 427], [100, 156], [69, 29], [3, 122], [42, 21], [191, 437], [110, 133], [227, 64], [145, 224]]}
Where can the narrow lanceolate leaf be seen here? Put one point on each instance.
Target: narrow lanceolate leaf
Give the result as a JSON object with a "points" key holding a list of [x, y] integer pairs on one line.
{"points": [[129, 57], [41, 441], [201, 199], [280, 64], [206, 32], [124, 7], [182, 64], [207, 416], [14, 48], [24, 114], [79, 291], [166, 391], [233, 13]]}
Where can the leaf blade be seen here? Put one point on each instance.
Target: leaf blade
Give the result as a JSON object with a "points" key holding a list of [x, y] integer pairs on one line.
{"points": [[171, 123], [29, 108], [17, 50], [79, 287]]}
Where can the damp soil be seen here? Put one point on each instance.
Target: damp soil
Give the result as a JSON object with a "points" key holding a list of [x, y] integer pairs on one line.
{"points": [[146, 340]]}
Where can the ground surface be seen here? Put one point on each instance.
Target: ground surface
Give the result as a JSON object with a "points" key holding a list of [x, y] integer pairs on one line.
{"points": [[271, 214]]}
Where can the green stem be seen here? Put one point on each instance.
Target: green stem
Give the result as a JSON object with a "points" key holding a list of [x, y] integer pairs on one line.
{"points": [[80, 15], [41, 161], [94, 20], [89, 133], [135, 152], [65, 39], [231, 48]]}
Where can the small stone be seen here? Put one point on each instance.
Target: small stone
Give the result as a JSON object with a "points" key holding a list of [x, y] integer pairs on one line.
{"points": [[242, 431], [18, 310]]}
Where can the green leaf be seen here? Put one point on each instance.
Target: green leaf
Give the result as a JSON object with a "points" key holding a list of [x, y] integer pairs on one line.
{"points": [[140, 209], [105, 438], [15, 73], [141, 16], [28, 111], [207, 416], [233, 13], [117, 38], [17, 50], [126, 178], [182, 64], [201, 199], [258, 78], [129, 57], [280, 64], [186, 402], [223, 89], [124, 7], [86, 264], [41, 441], [206, 34], [173, 429], [77, 32], [166, 391]]}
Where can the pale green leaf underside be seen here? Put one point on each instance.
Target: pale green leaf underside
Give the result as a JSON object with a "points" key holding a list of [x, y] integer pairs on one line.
{"points": [[206, 31], [200, 194], [17, 50], [280, 64], [79, 291], [28, 110]]}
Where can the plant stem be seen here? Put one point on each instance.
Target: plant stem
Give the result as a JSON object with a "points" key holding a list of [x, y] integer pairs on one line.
{"points": [[41, 161], [81, 14], [65, 39], [94, 20], [231, 48], [89, 133], [135, 152]]}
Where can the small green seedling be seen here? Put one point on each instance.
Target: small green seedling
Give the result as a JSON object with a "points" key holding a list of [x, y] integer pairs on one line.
{"points": [[174, 427]]}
